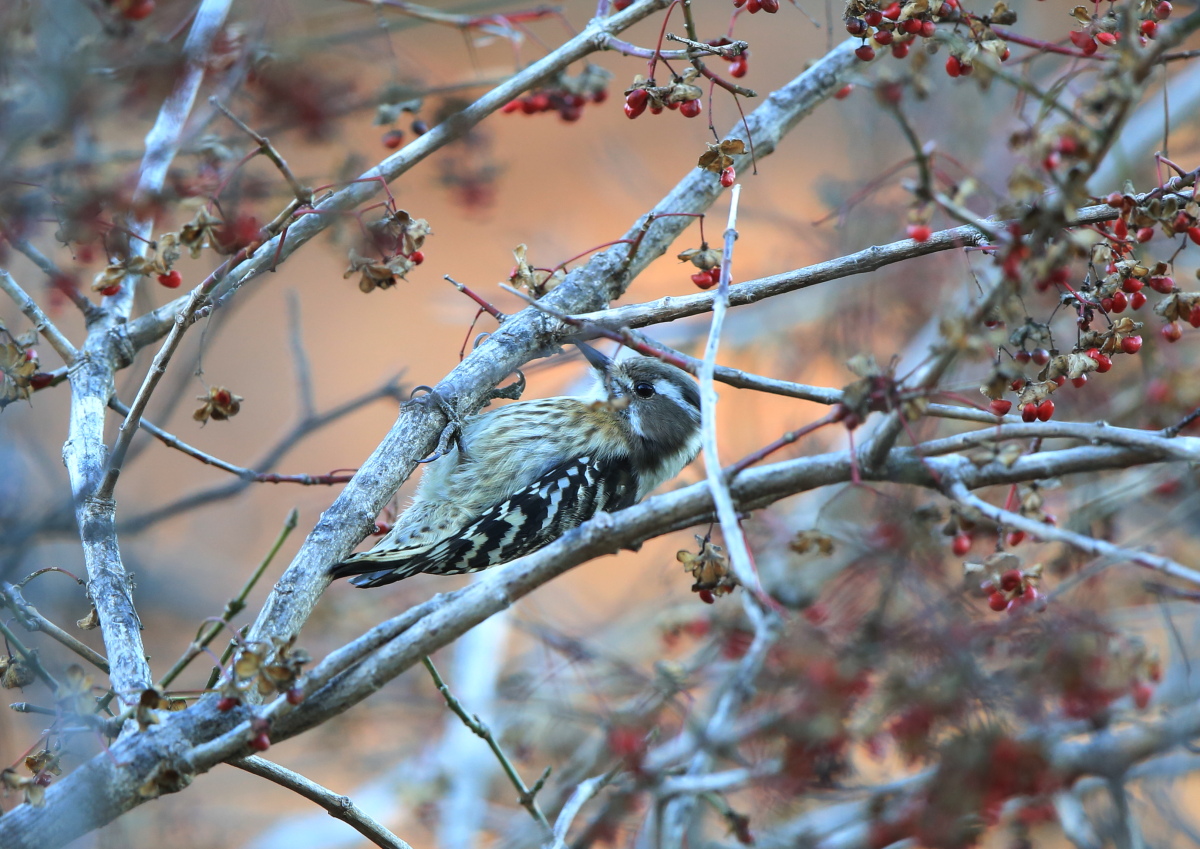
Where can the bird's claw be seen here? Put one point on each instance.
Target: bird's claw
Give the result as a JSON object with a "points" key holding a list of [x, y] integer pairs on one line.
{"points": [[512, 392]]}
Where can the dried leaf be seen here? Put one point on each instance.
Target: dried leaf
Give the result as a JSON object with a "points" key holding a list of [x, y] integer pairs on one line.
{"points": [[703, 257], [376, 274], [18, 364], [219, 404], [806, 541], [537, 281], [710, 568], [199, 232], [718, 157], [17, 674], [87, 623]]}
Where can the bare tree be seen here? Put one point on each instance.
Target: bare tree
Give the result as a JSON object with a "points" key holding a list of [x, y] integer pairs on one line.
{"points": [[952, 630]]}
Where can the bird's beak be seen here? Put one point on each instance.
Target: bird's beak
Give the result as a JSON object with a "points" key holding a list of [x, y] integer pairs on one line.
{"points": [[599, 362]]}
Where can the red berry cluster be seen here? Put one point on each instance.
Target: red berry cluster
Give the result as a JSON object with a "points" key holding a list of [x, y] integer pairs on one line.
{"points": [[756, 6], [1011, 589], [1063, 147], [638, 100], [882, 27], [1160, 12], [568, 105]]}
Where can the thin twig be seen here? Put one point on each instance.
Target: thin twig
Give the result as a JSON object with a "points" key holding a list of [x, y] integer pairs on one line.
{"points": [[33, 620], [1095, 547], [29, 656], [339, 807], [303, 194], [47, 266], [583, 793], [526, 796], [718, 484], [234, 606], [41, 321]]}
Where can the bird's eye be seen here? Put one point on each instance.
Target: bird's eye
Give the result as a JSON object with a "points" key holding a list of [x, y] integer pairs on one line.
{"points": [[644, 390]]}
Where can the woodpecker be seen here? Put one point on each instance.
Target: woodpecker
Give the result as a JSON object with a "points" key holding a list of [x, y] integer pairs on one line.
{"points": [[522, 476]]}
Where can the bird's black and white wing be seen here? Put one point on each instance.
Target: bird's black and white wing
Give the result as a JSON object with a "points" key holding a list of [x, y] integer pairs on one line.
{"points": [[563, 498]]}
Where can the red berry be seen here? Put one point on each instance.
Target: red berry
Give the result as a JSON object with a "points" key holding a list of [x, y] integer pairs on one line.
{"points": [[1119, 302], [900, 48], [690, 108], [706, 596], [1103, 363], [892, 12], [260, 742], [728, 177], [919, 232], [1120, 228], [600, 95], [1029, 412], [392, 139], [999, 407], [928, 28], [622, 5], [570, 113], [961, 544], [1163, 10], [1131, 344], [1137, 300], [109, 291], [1017, 385], [884, 37], [953, 66], [1079, 382], [1145, 234], [1149, 28], [416, 257], [226, 703], [1040, 356], [1141, 694], [1171, 331], [1045, 410], [704, 279], [635, 102], [295, 696], [1131, 285], [1194, 234], [40, 380], [844, 92], [866, 53], [769, 6], [138, 9], [1164, 285], [739, 67], [856, 26], [507, 109], [911, 26], [1108, 39], [171, 279], [1060, 380], [1194, 317], [1106, 304], [1015, 538], [873, 18], [1011, 579], [997, 602]]}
